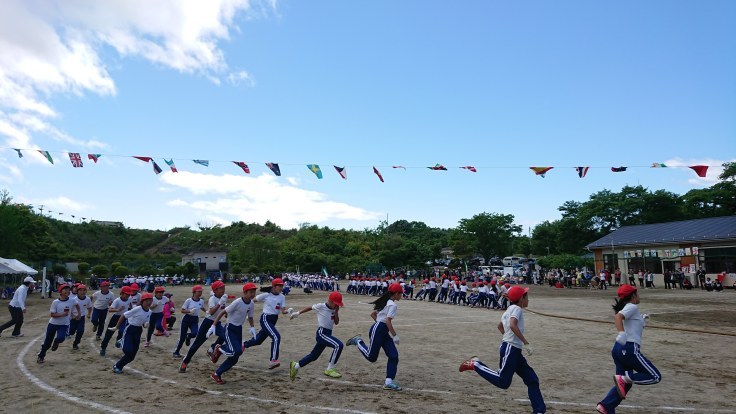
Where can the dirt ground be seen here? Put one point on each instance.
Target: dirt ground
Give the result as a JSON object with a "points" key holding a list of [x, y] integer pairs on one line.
{"points": [[572, 359]]}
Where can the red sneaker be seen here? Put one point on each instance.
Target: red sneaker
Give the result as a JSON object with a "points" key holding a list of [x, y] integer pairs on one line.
{"points": [[620, 383], [468, 365], [215, 354], [216, 378]]}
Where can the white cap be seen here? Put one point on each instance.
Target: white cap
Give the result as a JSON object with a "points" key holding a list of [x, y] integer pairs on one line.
{"points": [[29, 279]]}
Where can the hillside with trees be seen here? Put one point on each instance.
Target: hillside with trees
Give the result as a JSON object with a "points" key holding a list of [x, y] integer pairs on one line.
{"points": [[40, 240]]}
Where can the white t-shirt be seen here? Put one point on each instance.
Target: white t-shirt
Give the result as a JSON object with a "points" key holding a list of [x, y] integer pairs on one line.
{"points": [[193, 305], [514, 311], [238, 311], [272, 304], [214, 300], [445, 283], [389, 311], [102, 300], [137, 316], [59, 306], [83, 304], [19, 297], [157, 305], [134, 300], [633, 322], [325, 315], [121, 306]]}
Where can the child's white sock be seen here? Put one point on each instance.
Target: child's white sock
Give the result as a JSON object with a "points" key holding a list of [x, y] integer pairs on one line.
{"points": [[330, 365], [389, 380], [296, 366]]}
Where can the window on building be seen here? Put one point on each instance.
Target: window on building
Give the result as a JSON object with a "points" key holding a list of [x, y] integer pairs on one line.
{"points": [[648, 264], [720, 260], [610, 262]]}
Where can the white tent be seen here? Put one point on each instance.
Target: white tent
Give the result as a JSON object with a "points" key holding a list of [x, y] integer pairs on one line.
{"points": [[5, 270], [18, 266]]}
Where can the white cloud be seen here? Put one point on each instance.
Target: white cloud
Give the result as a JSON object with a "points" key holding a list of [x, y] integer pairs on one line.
{"points": [[715, 169], [53, 47], [241, 78], [257, 199]]}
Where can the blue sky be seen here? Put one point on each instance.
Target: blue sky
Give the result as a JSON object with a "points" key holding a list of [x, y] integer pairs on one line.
{"points": [[501, 86]]}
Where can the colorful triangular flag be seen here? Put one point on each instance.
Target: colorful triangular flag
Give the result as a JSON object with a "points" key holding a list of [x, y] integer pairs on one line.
{"points": [[342, 171], [701, 170], [658, 165], [582, 171], [20, 154], [205, 163], [243, 166], [618, 169], [94, 157], [380, 177], [156, 168], [541, 171], [47, 155], [171, 165], [274, 167], [438, 167], [144, 159], [399, 166], [315, 169], [76, 160], [469, 168]]}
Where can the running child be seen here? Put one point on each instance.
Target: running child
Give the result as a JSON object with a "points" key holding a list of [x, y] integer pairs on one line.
{"points": [[58, 324], [118, 307], [383, 335], [101, 301], [169, 317], [82, 308], [327, 316], [512, 360], [136, 318], [632, 367], [237, 312], [216, 305], [190, 320], [274, 303], [157, 313]]}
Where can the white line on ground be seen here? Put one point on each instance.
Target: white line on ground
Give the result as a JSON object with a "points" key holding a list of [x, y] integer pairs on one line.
{"points": [[48, 388], [316, 408]]}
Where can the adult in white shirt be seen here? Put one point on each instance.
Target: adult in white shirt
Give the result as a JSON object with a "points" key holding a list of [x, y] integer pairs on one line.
{"points": [[17, 307]]}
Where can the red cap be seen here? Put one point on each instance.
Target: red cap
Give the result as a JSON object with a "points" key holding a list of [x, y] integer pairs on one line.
{"points": [[336, 298], [105, 283], [507, 285], [81, 286], [395, 288], [134, 286], [493, 283], [64, 286], [127, 290], [217, 284], [463, 283], [625, 290], [472, 284], [277, 281], [196, 288], [146, 296], [159, 289], [249, 286], [516, 292]]}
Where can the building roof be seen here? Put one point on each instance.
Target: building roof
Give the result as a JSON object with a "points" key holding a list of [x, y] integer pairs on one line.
{"points": [[688, 231]]}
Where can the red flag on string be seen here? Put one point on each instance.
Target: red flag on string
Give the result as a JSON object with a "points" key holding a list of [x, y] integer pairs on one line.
{"points": [[144, 159], [701, 170], [469, 168], [242, 165], [380, 177]]}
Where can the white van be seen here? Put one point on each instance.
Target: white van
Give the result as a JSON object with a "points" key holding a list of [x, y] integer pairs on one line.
{"points": [[514, 260]]}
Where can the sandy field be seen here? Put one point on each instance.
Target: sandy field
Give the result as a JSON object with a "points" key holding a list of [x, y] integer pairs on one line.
{"points": [[572, 359]]}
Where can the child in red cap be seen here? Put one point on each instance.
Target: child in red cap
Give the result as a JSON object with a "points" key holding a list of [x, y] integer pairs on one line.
{"points": [[237, 313], [512, 360], [215, 305], [190, 320], [383, 335], [632, 367], [58, 326], [136, 318], [274, 303], [327, 316]]}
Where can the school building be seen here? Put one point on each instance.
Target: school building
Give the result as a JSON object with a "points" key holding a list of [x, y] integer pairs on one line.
{"points": [[678, 245]]}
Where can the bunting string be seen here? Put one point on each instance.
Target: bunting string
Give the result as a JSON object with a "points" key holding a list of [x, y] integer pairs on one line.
{"points": [[76, 160]]}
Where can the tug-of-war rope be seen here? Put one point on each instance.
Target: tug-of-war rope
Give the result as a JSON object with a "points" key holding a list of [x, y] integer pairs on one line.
{"points": [[667, 328]]}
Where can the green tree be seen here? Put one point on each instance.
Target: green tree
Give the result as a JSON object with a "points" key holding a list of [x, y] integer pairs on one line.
{"points": [[121, 271], [100, 270], [83, 268], [59, 269], [492, 233]]}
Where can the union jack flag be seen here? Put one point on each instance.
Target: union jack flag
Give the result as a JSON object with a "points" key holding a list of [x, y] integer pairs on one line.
{"points": [[76, 159]]}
